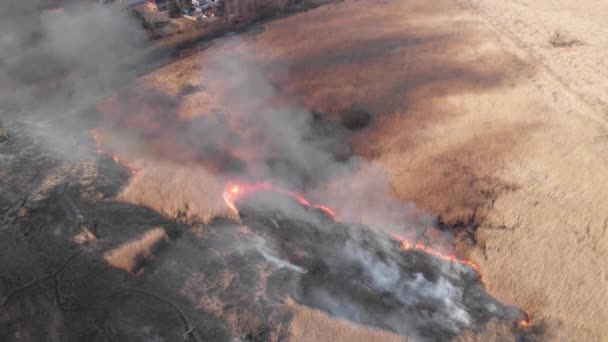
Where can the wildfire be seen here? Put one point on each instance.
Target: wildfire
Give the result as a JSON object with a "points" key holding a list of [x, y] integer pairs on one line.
{"points": [[527, 322], [406, 245], [236, 191], [114, 156]]}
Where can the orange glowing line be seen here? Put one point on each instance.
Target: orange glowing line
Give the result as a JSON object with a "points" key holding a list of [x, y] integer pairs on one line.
{"points": [[327, 210], [114, 156], [527, 322], [407, 245], [234, 192]]}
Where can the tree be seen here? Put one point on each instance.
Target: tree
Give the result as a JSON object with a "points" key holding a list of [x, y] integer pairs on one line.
{"points": [[174, 10], [221, 9], [142, 20]]}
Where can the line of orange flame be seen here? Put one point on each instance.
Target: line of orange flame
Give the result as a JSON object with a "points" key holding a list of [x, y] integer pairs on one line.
{"points": [[407, 245], [235, 191], [115, 156]]}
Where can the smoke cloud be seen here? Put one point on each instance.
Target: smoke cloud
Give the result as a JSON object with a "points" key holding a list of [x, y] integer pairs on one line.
{"points": [[297, 150], [54, 66]]}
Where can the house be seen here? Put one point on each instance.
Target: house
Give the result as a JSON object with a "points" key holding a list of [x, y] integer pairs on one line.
{"points": [[134, 3], [158, 5], [204, 2]]}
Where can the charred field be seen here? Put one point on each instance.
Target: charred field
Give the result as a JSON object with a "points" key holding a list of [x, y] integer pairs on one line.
{"points": [[218, 281]]}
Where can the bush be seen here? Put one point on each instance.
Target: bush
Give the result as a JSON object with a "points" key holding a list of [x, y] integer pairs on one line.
{"points": [[356, 118], [174, 10], [139, 17], [558, 39], [187, 88]]}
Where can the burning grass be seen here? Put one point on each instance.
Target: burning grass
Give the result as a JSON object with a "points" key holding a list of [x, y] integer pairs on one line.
{"points": [[132, 254], [178, 191]]}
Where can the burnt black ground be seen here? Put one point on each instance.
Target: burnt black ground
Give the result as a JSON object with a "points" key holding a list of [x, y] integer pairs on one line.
{"points": [[213, 282]]}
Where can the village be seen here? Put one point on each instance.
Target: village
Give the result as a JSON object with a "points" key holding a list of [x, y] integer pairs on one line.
{"points": [[162, 10], [164, 18]]}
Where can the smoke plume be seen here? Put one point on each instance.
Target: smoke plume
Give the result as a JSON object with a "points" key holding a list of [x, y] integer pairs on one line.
{"points": [[55, 65]]}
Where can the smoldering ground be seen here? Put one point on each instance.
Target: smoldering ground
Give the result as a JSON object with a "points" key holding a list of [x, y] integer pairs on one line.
{"points": [[369, 279]]}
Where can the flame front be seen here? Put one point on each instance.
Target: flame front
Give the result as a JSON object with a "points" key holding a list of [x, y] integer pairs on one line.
{"points": [[407, 245], [527, 322], [237, 191], [114, 156]]}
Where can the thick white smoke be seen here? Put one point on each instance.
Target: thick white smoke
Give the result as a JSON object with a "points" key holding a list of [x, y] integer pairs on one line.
{"points": [[290, 149], [54, 67]]}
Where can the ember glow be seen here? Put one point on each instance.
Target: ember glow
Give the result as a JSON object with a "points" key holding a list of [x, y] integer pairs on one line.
{"points": [[115, 156], [236, 191], [407, 245], [527, 322]]}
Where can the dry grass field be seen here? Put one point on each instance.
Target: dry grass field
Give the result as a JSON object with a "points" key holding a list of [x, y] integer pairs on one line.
{"points": [[311, 325], [477, 118], [489, 115], [130, 255]]}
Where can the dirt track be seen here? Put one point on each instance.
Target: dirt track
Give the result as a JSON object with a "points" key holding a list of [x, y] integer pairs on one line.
{"points": [[479, 126]]}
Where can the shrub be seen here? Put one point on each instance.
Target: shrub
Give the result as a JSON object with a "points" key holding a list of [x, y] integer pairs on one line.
{"points": [[187, 88], [558, 39], [174, 10], [356, 118]]}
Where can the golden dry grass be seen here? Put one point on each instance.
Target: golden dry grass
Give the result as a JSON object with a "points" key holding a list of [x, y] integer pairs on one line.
{"points": [[178, 191], [494, 331], [311, 325], [131, 254], [469, 126], [85, 236]]}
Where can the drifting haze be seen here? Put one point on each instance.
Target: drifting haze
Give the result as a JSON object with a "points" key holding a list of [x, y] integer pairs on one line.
{"points": [[290, 147], [54, 66]]}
